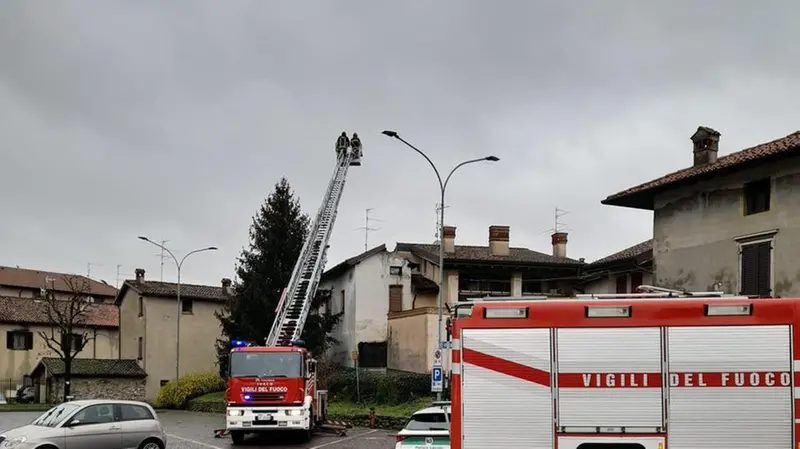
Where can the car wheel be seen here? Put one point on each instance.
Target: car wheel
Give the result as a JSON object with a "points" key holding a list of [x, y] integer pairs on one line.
{"points": [[237, 437], [151, 444]]}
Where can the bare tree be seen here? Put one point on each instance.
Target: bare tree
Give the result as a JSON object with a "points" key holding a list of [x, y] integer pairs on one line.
{"points": [[68, 318]]}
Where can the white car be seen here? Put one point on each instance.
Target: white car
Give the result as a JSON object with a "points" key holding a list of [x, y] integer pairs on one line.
{"points": [[428, 428]]}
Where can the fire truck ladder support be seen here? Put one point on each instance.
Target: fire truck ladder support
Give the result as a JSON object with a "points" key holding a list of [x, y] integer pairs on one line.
{"points": [[294, 309]]}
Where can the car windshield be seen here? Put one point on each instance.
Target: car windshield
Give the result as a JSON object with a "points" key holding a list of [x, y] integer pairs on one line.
{"points": [[266, 364], [55, 415], [429, 421]]}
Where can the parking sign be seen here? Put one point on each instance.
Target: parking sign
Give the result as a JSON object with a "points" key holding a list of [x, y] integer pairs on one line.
{"points": [[437, 380]]}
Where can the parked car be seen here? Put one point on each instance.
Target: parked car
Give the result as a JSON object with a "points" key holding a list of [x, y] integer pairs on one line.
{"points": [[25, 395], [3, 400], [427, 428], [105, 424]]}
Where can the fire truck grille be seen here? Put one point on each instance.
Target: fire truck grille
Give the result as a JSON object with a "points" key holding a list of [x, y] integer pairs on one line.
{"points": [[268, 397]]}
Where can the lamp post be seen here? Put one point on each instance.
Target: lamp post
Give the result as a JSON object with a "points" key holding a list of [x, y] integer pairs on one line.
{"points": [[179, 265], [442, 189]]}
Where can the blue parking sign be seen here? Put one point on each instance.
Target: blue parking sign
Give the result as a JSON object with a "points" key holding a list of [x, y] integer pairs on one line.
{"points": [[436, 379]]}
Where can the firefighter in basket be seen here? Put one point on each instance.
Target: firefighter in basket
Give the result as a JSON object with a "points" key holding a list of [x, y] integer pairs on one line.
{"points": [[341, 144], [355, 142]]}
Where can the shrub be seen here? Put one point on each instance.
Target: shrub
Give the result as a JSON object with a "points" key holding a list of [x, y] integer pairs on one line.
{"points": [[393, 387], [189, 387]]}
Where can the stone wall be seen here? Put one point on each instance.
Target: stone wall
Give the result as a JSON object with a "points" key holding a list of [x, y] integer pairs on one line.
{"points": [[100, 388]]}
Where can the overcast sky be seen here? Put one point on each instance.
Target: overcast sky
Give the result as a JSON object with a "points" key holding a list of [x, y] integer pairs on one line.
{"points": [[175, 119]]}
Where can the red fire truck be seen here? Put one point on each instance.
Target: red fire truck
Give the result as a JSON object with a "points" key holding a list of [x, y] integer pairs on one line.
{"points": [[637, 372]]}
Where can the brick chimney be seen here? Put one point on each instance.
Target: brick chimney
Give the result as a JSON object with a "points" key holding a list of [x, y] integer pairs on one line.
{"points": [[449, 239], [706, 145], [226, 287], [559, 244], [139, 275], [498, 240]]}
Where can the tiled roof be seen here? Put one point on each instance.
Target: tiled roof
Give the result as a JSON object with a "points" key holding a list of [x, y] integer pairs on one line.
{"points": [[30, 311], [641, 196], [481, 254], [25, 278], [347, 263], [170, 290], [628, 253], [93, 367]]}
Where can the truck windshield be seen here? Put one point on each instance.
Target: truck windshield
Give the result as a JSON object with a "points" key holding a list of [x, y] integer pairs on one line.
{"points": [[266, 364]]}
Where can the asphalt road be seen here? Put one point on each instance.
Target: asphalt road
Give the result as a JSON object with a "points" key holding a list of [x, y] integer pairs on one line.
{"points": [[187, 430]]}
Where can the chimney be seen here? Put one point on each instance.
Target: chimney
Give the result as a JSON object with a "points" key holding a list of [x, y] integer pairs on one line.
{"points": [[226, 287], [559, 244], [498, 240], [706, 145], [449, 239], [139, 275]]}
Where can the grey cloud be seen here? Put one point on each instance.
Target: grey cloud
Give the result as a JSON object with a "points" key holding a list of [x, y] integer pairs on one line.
{"points": [[174, 119]]}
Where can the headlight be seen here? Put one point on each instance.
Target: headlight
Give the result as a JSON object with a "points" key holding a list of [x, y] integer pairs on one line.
{"points": [[294, 412], [235, 412], [14, 441]]}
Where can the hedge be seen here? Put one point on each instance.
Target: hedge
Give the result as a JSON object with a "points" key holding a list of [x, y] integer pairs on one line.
{"points": [[189, 387], [393, 387]]}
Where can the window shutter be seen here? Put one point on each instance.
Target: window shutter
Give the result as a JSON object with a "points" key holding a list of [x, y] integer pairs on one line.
{"points": [[29, 340], [764, 270], [749, 280], [9, 340], [395, 298]]}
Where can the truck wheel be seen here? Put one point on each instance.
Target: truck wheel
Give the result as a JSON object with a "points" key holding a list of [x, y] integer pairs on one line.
{"points": [[237, 436]]}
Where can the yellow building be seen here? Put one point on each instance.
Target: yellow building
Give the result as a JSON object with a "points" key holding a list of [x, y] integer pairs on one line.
{"points": [[148, 327]]}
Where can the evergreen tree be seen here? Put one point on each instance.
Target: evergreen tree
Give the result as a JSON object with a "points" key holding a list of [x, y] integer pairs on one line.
{"points": [[263, 270]]}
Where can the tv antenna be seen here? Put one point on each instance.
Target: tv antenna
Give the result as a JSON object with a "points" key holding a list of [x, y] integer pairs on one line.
{"points": [[118, 275], [558, 225], [163, 256], [439, 224], [89, 268], [366, 228]]}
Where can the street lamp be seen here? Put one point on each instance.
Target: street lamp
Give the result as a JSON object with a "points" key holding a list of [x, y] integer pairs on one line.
{"points": [[179, 265], [442, 189]]}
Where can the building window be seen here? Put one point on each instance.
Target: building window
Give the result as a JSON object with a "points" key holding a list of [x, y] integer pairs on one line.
{"points": [[141, 306], [395, 298], [622, 284], [187, 305], [757, 196], [20, 340], [396, 271], [140, 347], [756, 268], [342, 300], [73, 341], [637, 279]]}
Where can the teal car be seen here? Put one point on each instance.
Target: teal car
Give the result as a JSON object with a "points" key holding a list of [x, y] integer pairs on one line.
{"points": [[428, 428]]}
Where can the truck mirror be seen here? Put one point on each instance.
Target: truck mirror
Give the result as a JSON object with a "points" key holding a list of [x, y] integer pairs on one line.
{"points": [[312, 366]]}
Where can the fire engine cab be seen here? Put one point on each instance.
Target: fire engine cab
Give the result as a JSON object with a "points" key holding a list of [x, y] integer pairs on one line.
{"points": [[660, 370]]}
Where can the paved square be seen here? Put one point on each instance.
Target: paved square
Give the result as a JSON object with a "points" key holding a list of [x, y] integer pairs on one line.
{"points": [[187, 430]]}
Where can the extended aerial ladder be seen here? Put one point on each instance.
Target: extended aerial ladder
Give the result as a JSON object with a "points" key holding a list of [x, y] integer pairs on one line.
{"points": [[295, 303]]}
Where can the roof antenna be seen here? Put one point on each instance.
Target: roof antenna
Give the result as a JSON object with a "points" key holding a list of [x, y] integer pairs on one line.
{"points": [[367, 229]]}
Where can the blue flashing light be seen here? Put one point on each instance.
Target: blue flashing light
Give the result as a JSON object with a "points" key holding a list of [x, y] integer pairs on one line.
{"points": [[238, 343], [247, 397], [299, 343]]}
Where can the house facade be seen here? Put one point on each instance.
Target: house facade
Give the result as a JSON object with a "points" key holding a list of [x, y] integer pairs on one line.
{"points": [[28, 326], [390, 299], [148, 327], [727, 223]]}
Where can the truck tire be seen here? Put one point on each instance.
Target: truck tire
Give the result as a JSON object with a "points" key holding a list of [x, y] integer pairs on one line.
{"points": [[237, 436]]}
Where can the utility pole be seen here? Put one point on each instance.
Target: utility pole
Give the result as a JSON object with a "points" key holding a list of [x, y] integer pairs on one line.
{"points": [[367, 229]]}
